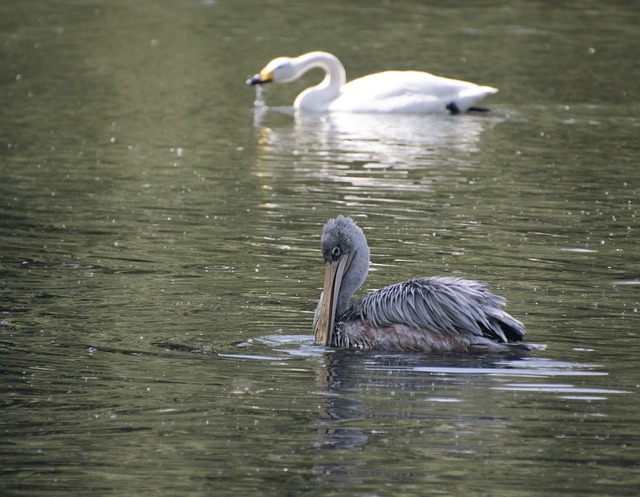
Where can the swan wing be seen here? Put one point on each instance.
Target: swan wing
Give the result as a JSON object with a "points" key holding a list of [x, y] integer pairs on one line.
{"points": [[408, 92]]}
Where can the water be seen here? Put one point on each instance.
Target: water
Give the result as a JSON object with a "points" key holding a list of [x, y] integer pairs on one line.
{"points": [[159, 253]]}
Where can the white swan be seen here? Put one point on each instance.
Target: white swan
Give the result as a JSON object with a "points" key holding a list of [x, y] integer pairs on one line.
{"points": [[408, 92]]}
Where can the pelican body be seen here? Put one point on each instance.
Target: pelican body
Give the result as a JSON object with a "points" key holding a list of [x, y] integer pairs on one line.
{"points": [[402, 92], [424, 315]]}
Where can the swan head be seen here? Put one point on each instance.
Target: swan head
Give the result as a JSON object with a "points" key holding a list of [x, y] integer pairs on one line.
{"points": [[280, 70]]}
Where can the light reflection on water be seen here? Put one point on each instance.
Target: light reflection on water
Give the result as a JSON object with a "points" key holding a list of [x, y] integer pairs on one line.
{"points": [[378, 152]]}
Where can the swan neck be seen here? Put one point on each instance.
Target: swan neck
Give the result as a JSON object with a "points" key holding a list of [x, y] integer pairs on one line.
{"points": [[323, 94], [330, 63]]}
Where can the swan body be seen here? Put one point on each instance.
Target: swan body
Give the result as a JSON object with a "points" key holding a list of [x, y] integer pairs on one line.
{"points": [[426, 315], [406, 92]]}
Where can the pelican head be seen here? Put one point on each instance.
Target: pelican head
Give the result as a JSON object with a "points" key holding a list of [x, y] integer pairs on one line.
{"points": [[346, 255], [280, 70]]}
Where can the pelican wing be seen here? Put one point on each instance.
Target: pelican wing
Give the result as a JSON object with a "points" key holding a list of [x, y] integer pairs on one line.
{"points": [[447, 305]]}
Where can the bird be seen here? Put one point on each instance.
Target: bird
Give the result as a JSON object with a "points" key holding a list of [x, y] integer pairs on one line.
{"points": [[435, 315], [399, 92]]}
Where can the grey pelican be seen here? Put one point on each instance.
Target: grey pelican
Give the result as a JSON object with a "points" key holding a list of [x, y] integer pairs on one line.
{"points": [[427, 315]]}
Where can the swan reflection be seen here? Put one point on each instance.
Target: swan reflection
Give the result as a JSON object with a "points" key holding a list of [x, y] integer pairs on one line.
{"points": [[368, 150]]}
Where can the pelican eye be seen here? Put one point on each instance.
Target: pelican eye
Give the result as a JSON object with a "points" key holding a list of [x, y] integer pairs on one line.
{"points": [[336, 252]]}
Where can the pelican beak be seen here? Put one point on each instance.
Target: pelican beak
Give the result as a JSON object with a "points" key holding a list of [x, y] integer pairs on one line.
{"points": [[263, 77], [326, 310]]}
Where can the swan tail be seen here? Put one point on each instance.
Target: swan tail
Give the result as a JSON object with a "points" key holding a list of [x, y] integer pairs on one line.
{"points": [[466, 99]]}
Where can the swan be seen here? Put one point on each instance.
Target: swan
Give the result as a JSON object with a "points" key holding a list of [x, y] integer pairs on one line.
{"points": [[425, 315], [400, 92]]}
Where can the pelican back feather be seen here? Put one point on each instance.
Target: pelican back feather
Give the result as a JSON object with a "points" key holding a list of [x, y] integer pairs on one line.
{"points": [[442, 305]]}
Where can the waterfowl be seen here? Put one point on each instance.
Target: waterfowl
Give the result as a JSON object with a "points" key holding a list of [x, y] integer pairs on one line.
{"points": [[424, 315], [402, 92]]}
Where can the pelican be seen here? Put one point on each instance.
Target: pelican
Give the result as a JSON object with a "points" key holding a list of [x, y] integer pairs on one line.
{"points": [[425, 315], [400, 92]]}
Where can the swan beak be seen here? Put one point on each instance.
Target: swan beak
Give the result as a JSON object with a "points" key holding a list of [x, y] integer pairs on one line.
{"points": [[326, 311], [263, 77]]}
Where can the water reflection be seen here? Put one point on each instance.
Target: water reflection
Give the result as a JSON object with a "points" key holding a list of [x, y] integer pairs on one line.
{"points": [[372, 163], [353, 384], [437, 405], [374, 141]]}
